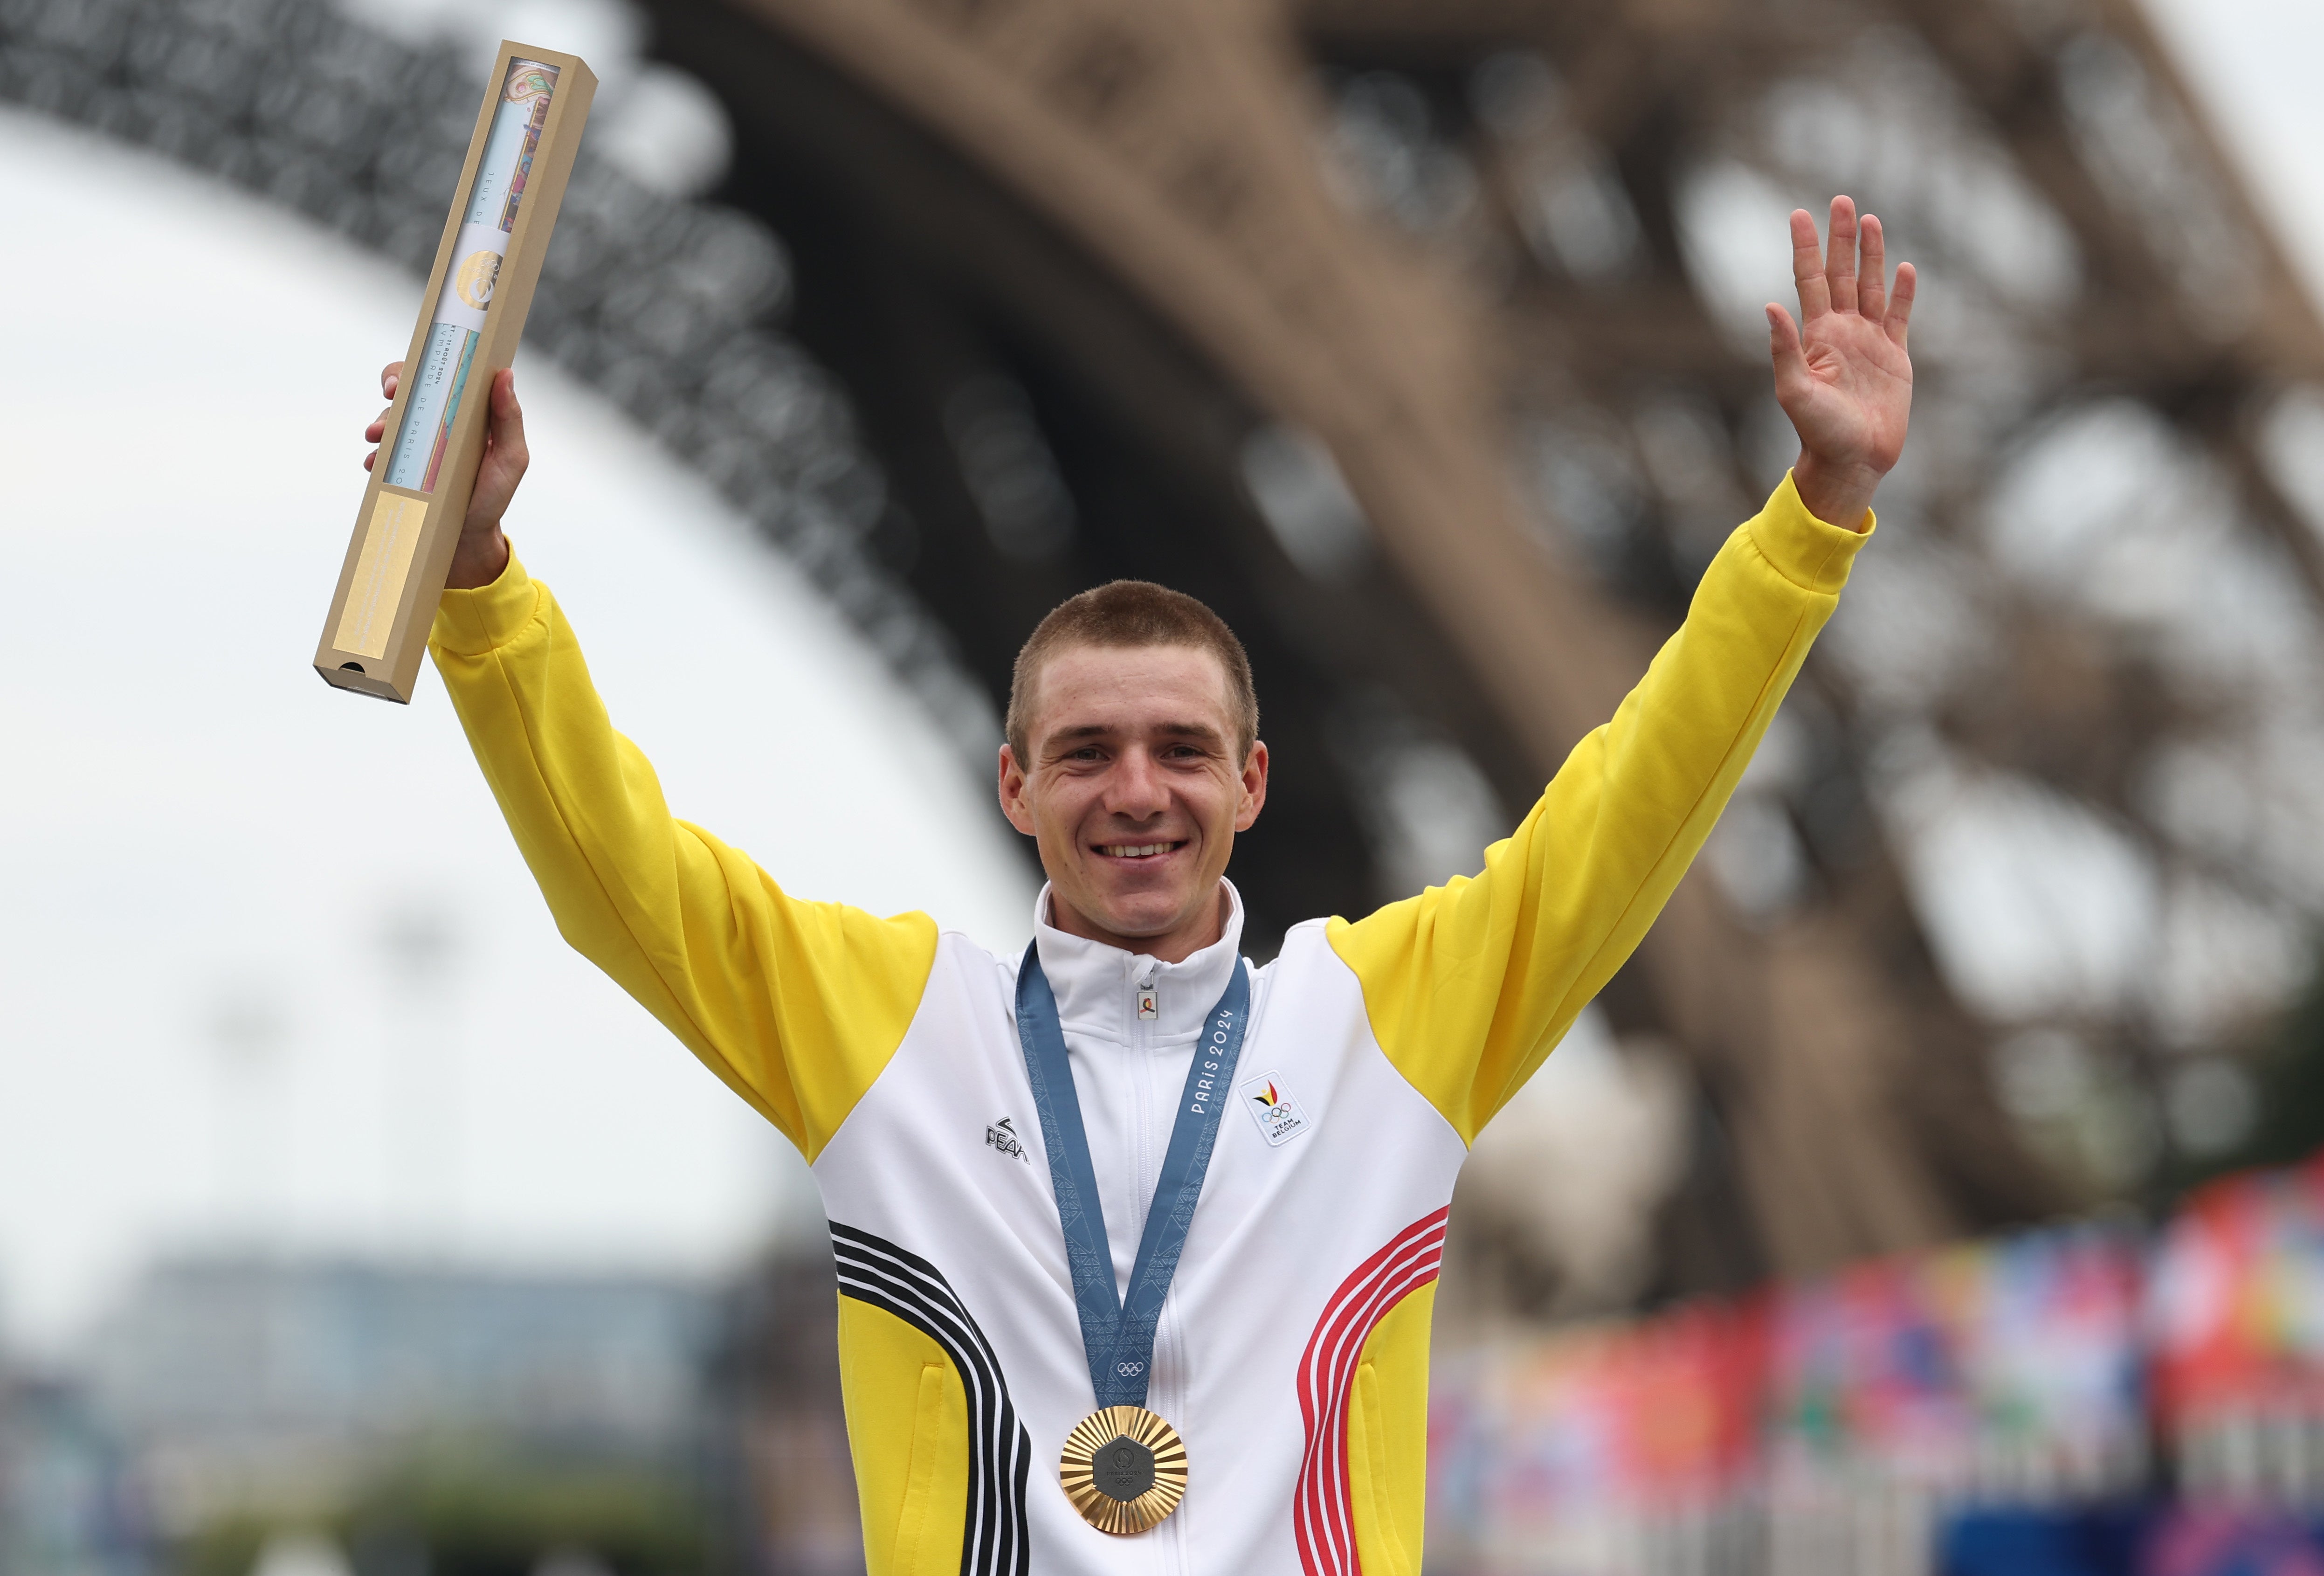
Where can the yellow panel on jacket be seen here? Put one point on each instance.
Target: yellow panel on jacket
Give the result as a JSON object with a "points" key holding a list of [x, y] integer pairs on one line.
{"points": [[907, 1430], [796, 1006], [1387, 1438]]}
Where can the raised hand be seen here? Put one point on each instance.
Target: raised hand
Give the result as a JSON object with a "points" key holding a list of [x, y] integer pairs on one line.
{"points": [[484, 551], [1841, 372]]}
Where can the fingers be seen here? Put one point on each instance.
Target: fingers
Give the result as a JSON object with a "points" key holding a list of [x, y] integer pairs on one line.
{"points": [[1807, 267], [1839, 255], [377, 430], [1900, 303], [390, 376], [505, 456], [1872, 286], [508, 420], [1785, 351]]}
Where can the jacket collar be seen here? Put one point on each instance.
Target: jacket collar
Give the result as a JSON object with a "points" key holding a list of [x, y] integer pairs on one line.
{"points": [[1097, 985]]}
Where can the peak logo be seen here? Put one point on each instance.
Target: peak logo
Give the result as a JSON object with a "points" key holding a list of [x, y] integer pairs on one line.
{"points": [[1273, 1107], [1002, 1135]]}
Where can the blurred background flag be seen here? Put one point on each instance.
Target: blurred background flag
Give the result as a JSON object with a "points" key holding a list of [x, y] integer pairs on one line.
{"points": [[2239, 1322]]}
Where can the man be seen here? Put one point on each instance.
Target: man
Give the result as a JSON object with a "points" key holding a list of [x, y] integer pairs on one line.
{"points": [[1055, 1361]]}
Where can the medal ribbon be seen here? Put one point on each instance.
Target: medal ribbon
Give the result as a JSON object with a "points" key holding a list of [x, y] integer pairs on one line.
{"points": [[1118, 1334]]}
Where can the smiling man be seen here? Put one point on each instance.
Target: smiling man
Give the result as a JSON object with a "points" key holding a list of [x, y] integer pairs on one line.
{"points": [[1137, 1243], [1132, 709]]}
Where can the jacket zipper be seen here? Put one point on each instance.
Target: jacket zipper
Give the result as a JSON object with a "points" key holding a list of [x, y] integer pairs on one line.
{"points": [[1156, 1102]]}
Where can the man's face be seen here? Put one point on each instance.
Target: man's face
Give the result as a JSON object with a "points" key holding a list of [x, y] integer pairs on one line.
{"points": [[1134, 792]]}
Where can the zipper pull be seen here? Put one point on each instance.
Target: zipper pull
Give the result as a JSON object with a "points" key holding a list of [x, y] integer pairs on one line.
{"points": [[1146, 1010]]}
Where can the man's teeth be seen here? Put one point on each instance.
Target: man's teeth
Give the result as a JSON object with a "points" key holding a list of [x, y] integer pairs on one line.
{"points": [[1132, 850]]}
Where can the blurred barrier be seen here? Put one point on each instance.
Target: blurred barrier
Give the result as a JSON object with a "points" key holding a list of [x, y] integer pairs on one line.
{"points": [[2004, 1373], [1615, 1449], [1985, 1408]]}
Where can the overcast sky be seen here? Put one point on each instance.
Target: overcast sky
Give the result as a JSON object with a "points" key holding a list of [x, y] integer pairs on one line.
{"points": [[2253, 64], [191, 825]]}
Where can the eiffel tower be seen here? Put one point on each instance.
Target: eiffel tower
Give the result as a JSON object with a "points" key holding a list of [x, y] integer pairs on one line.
{"points": [[1421, 340]]}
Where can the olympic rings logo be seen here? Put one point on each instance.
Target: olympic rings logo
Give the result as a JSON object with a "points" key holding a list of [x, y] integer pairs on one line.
{"points": [[1130, 1370]]}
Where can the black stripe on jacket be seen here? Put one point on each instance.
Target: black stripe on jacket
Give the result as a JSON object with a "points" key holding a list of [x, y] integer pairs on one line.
{"points": [[1000, 1453]]}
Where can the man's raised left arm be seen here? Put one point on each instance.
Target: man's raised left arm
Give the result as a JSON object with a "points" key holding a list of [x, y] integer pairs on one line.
{"points": [[1468, 985]]}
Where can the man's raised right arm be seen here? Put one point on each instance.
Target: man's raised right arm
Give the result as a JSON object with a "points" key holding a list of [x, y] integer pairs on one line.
{"points": [[795, 1005]]}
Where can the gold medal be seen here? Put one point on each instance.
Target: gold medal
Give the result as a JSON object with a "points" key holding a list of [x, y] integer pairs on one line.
{"points": [[1124, 1468]]}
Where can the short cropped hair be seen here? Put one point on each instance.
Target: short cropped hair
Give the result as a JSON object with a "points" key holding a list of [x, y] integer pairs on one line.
{"points": [[1124, 614]]}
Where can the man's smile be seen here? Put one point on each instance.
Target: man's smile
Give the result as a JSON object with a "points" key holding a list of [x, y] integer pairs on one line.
{"points": [[1138, 850]]}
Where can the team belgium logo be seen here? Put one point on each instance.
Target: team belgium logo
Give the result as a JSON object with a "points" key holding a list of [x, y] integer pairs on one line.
{"points": [[1270, 1105]]}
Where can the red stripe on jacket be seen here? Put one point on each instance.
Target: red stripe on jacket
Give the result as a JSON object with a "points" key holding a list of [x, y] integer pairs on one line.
{"points": [[1322, 1514]]}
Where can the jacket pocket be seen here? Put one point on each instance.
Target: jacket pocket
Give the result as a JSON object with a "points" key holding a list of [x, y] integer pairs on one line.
{"points": [[1373, 1481], [910, 1554]]}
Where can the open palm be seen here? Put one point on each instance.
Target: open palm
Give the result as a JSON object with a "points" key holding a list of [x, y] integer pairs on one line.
{"points": [[1841, 372]]}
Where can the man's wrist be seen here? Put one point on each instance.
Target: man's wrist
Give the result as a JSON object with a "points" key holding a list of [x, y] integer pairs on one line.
{"points": [[1839, 495], [478, 560]]}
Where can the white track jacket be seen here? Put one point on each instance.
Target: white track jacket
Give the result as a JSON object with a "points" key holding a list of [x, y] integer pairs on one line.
{"points": [[1292, 1353]]}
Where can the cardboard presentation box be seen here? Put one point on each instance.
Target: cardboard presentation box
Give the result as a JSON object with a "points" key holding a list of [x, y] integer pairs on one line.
{"points": [[473, 317]]}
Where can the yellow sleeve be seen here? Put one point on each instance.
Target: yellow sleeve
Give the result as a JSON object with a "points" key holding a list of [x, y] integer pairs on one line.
{"points": [[1468, 985], [796, 1006]]}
